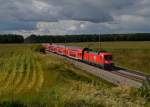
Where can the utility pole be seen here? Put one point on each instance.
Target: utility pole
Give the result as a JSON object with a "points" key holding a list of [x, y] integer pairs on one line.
{"points": [[100, 41], [65, 44]]}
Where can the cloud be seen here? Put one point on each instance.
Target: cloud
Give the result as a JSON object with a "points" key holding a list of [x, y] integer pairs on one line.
{"points": [[54, 10], [61, 27], [74, 16], [17, 25]]}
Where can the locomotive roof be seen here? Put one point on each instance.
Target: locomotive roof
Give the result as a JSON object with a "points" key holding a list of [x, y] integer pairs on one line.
{"points": [[96, 52]]}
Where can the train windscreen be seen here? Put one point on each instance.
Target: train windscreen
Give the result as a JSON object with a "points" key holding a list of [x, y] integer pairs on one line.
{"points": [[108, 57]]}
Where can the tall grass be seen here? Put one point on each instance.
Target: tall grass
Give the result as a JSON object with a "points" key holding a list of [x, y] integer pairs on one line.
{"points": [[31, 79]]}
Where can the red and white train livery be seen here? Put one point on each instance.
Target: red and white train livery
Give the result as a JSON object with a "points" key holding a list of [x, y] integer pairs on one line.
{"points": [[102, 59]]}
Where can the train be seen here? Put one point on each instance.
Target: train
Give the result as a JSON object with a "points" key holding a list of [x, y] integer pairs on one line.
{"points": [[101, 59]]}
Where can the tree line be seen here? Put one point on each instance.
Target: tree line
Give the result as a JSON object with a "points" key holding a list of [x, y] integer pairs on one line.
{"points": [[87, 38], [11, 38]]}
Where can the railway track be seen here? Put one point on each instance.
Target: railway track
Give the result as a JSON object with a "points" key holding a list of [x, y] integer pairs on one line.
{"points": [[135, 75], [118, 75]]}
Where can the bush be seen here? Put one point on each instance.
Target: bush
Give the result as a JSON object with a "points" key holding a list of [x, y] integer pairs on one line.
{"points": [[11, 104], [144, 91], [39, 48]]}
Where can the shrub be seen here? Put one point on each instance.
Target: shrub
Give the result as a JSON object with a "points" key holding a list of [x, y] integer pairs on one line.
{"points": [[144, 91], [11, 104], [39, 48]]}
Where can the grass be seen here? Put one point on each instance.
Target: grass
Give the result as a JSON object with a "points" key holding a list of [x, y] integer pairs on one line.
{"points": [[28, 78], [131, 55]]}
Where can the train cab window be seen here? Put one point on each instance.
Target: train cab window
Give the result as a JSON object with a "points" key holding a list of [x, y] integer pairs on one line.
{"points": [[108, 57]]}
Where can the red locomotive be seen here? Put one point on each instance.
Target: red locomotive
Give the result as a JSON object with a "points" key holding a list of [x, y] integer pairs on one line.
{"points": [[102, 59]]}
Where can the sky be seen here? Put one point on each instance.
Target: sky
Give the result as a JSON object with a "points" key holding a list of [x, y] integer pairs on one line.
{"points": [[58, 17]]}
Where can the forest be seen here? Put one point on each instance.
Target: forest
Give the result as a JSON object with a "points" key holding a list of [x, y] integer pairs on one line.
{"points": [[11, 38], [14, 38], [87, 38]]}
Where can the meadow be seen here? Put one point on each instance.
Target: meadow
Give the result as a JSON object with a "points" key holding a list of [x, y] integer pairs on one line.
{"points": [[131, 55], [29, 78]]}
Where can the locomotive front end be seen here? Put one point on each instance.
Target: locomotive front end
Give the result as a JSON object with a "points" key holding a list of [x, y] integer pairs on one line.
{"points": [[108, 60]]}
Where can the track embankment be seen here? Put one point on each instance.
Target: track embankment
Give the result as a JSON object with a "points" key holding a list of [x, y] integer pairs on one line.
{"points": [[104, 74]]}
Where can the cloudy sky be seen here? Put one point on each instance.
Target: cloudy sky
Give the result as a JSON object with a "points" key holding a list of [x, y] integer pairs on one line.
{"points": [[74, 16]]}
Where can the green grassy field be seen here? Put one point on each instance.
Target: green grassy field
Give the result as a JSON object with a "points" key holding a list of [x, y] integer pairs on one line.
{"points": [[29, 78], [131, 55]]}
